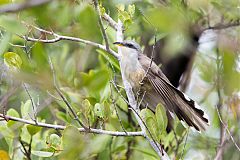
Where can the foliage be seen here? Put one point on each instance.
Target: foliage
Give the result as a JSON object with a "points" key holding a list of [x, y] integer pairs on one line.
{"points": [[84, 74]]}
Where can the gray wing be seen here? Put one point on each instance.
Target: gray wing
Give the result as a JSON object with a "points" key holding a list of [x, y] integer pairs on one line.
{"points": [[174, 100]]}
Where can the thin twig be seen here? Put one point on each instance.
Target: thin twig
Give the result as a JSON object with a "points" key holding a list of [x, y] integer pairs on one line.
{"points": [[101, 24], [60, 127], [141, 100], [64, 98], [228, 131], [25, 152], [115, 108], [58, 38], [119, 92], [34, 108], [146, 73]]}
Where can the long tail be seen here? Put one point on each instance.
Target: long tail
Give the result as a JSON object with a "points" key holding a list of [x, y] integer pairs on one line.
{"points": [[177, 102]]}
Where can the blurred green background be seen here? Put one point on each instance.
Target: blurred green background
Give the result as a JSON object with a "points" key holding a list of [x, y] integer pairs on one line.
{"points": [[204, 62]]}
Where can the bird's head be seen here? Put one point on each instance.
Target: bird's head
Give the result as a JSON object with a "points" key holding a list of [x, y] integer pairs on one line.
{"points": [[129, 46]]}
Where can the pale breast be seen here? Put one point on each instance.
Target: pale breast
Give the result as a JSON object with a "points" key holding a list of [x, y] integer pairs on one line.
{"points": [[131, 68], [136, 77]]}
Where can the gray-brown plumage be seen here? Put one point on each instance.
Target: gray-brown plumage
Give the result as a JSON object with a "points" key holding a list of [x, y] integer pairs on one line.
{"points": [[157, 87]]}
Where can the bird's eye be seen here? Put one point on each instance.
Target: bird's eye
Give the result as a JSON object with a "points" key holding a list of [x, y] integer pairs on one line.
{"points": [[130, 46]]}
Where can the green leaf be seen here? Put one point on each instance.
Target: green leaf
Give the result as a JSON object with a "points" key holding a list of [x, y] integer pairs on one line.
{"points": [[54, 141], [127, 23], [99, 143], [95, 80], [88, 111], [110, 59], [145, 151], [26, 109], [87, 18], [62, 116], [12, 60], [12, 25], [39, 56], [73, 142], [98, 110], [102, 110], [87, 107], [150, 120], [102, 10], [14, 113], [42, 153], [131, 10], [180, 129], [7, 133], [161, 118], [121, 7], [86, 103], [217, 5], [107, 110], [33, 129], [124, 15], [168, 138], [4, 42]]}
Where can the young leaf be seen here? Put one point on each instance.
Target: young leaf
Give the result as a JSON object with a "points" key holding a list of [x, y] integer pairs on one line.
{"points": [[88, 111], [14, 113], [131, 10], [12, 60], [102, 9], [54, 141], [120, 7], [62, 116], [33, 129], [98, 110], [26, 108], [161, 118], [180, 129], [151, 122], [107, 110]]}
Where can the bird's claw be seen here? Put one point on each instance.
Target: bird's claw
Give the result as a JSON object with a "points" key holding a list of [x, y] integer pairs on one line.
{"points": [[141, 83]]}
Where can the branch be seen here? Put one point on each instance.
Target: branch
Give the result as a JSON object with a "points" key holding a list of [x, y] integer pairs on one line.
{"points": [[111, 22], [15, 7], [133, 104], [60, 127], [224, 26], [101, 24], [226, 128], [58, 37]]}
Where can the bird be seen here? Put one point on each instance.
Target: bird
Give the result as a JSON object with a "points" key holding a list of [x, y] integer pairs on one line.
{"points": [[146, 78]]}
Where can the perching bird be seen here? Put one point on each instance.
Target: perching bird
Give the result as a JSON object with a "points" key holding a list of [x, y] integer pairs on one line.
{"points": [[156, 88]]}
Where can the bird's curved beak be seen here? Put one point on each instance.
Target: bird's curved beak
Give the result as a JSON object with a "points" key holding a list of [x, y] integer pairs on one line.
{"points": [[118, 43]]}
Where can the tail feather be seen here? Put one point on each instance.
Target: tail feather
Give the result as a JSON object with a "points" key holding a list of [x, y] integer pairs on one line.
{"points": [[177, 102]]}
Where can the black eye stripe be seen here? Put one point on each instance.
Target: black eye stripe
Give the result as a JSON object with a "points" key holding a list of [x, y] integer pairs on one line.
{"points": [[131, 46]]}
